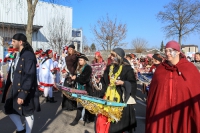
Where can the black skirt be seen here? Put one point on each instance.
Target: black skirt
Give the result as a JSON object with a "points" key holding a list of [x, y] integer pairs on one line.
{"points": [[68, 104], [126, 123]]}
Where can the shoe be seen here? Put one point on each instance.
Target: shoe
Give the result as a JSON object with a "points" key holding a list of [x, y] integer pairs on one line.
{"points": [[22, 131], [74, 123], [51, 99], [47, 99]]}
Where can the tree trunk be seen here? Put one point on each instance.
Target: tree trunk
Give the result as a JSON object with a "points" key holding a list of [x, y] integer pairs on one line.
{"points": [[179, 39], [31, 14]]}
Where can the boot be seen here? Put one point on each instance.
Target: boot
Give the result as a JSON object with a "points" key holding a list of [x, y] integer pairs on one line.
{"points": [[47, 99], [77, 118], [22, 131], [52, 100]]}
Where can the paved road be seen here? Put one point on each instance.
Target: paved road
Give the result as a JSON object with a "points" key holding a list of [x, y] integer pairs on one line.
{"points": [[53, 120]]}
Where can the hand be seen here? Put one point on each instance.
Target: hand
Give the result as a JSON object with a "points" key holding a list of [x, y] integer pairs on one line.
{"points": [[119, 82], [97, 80], [20, 101], [73, 77], [1, 79], [63, 54]]}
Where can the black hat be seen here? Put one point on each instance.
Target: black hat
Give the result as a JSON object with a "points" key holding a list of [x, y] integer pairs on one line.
{"points": [[119, 51], [155, 56], [20, 37], [83, 56], [71, 46], [129, 55]]}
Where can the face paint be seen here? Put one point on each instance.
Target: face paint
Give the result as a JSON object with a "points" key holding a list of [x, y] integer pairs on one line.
{"points": [[171, 51]]}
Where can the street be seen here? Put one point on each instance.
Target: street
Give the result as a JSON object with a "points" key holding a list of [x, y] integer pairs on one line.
{"points": [[53, 120]]}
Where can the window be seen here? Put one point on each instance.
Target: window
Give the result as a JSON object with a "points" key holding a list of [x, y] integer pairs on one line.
{"points": [[78, 33], [73, 33]]}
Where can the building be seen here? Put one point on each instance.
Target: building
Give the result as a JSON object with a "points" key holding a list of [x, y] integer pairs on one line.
{"points": [[13, 19], [189, 48], [77, 35]]}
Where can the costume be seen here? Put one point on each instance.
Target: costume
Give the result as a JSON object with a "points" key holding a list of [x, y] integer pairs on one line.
{"points": [[56, 69], [46, 78], [98, 68], [173, 104], [71, 63], [83, 83], [197, 64], [22, 84], [120, 93], [176, 103]]}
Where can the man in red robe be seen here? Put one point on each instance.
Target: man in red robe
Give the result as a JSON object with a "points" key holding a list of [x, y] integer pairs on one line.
{"points": [[173, 104]]}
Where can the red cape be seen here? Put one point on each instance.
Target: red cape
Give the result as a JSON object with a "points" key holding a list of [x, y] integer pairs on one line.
{"points": [[173, 104]]}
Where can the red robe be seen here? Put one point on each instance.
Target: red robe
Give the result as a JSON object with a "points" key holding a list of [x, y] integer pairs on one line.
{"points": [[173, 104]]}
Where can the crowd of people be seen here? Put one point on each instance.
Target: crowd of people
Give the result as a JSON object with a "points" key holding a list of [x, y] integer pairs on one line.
{"points": [[173, 103]]}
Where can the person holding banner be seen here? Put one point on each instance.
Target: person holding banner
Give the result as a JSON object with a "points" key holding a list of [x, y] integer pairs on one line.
{"points": [[120, 86]]}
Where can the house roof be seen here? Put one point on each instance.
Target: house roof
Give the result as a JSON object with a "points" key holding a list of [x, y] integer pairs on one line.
{"points": [[183, 46], [18, 26]]}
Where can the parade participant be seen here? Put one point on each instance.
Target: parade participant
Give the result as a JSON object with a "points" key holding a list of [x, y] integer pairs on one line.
{"points": [[120, 85], [173, 104], [98, 67], [129, 58], [157, 60], [97, 58], [9, 57], [62, 65], [109, 61], [37, 55], [1, 63], [71, 65], [196, 60], [1, 81], [56, 69], [21, 94], [46, 76], [82, 79]]}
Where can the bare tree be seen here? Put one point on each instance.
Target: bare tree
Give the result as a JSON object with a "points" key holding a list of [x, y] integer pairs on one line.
{"points": [[182, 18], [139, 44], [109, 34], [86, 48], [31, 13], [59, 34]]}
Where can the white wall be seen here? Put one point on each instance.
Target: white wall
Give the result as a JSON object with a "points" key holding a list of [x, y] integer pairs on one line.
{"points": [[13, 11]]}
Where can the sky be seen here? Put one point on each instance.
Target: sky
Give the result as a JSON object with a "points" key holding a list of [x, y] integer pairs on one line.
{"points": [[139, 15]]}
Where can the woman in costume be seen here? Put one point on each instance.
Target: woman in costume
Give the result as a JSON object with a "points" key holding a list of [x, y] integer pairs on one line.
{"points": [[120, 85], [62, 65], [71, 65], [56, 68], [97, 58], [46, 76], [98, 66], [157, 60], [173, 104], [82, 79]]}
